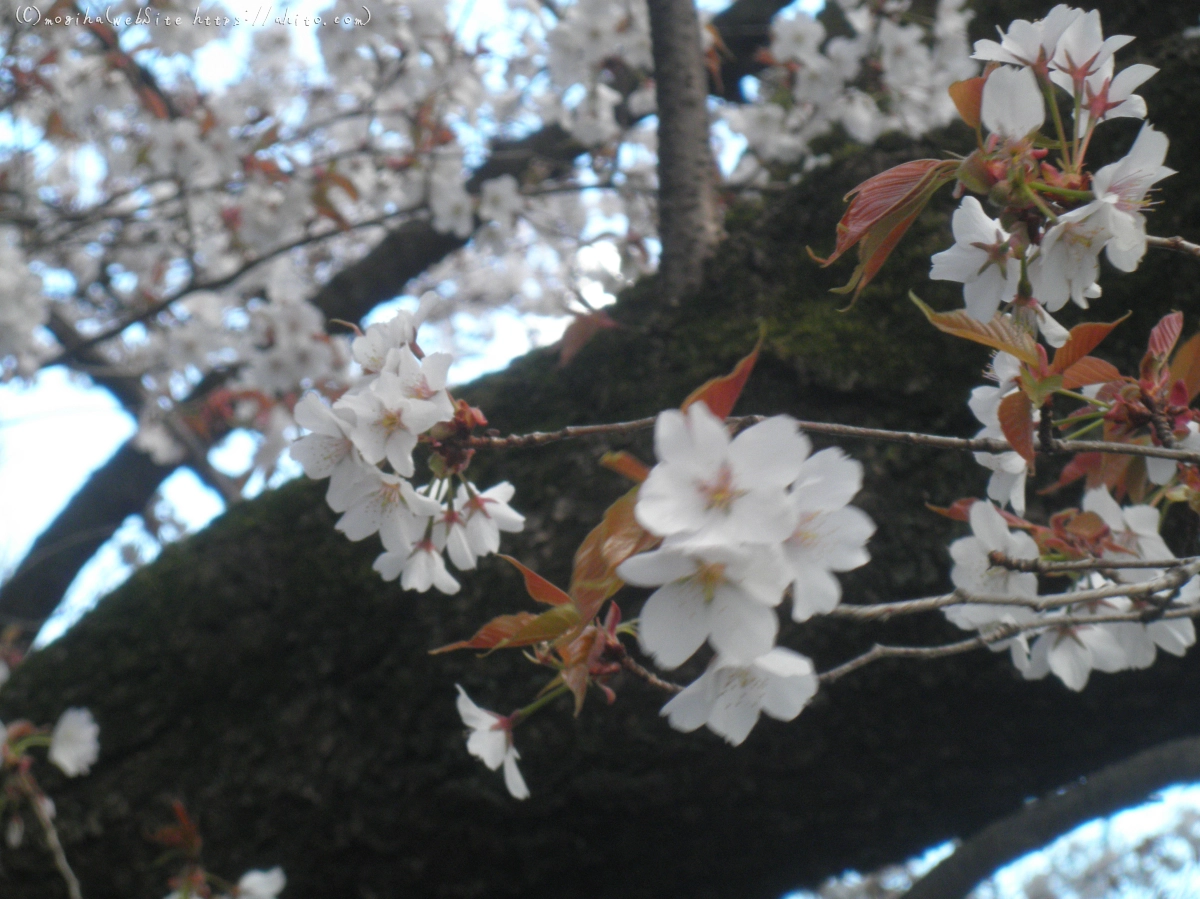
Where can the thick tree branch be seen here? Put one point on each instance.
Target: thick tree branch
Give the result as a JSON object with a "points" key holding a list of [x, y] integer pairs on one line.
{"points": [[1113, 788], [686, 213]]}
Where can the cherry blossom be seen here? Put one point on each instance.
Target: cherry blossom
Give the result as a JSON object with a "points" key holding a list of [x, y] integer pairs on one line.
{"points": [[490, 741], [1121, 189], [1029, 43], [729, 696], [1135, 528], [1009, 470], [709, 489], [830, 535], [388, 505], [261, 884], [981, 259], [75, 742], [719, 593], [975, 572], [1083, 51]]}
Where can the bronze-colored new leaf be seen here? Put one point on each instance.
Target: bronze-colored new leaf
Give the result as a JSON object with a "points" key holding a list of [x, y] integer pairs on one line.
{"points": [[721, 394], [1000, 333]]}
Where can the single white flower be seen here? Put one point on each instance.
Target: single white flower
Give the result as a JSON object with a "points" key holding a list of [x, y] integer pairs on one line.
{"points": [[1120, 190], [830, 534], [1133, 527], [1107, 97], [261, 884], [1029, 43], [75, 742], [371, 349], [974, 571], [422, 567], [490, 741], [1082, 52], [981, 259], [720, 593], [328, 451], [729, 696], [1067, 263], [388, 504], [486, 514], [710, 489]]}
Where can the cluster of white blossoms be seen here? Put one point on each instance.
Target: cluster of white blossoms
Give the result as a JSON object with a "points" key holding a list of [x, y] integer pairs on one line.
{"points": [[742, 521], [378, 422], [886, 75], [1069, 650], [1060, 258]]}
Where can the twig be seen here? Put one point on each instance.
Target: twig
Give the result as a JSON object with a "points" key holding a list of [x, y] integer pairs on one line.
{"points": [[995, 635], [631, 665], [910, 438], [1040, 566], [52, 840], [1178, 244]]}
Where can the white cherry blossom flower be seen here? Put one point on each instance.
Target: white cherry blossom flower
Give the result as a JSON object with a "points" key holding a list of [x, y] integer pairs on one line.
{"points": [[974, 571], [490, 741], [1029, 43], [75, 742], [398, 406], [1067, 263], [421, 568], [486, 514], [261, 884], [1120, 190], [710, 489], [389, 505], [830, 535], [1107, 97], [1133, 527], [719, 593], [1012, 105], [981, 259], [729, 696], [372, 348], [328, 451], [1083, 51]]}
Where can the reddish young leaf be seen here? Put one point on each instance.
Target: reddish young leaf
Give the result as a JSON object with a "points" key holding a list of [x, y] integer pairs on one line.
{"points": [[1165, 334], [580, 332], [576, 678], [617, 537], [1089, 370], [1081, 341], [721, 394], [549, 625], [495, 632], [626, 464], [1016, 421], [1081, 465], [1087, 525], [968, 98], [537, 586], [960, 510], [1186, 366], [1000, 333], [881, 210]]}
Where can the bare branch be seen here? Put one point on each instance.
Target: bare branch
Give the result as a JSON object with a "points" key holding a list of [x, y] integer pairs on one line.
{"points": [[1178, 244]]}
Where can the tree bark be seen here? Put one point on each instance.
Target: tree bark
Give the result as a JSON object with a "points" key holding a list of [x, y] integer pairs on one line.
{"points": [[687, 224]]}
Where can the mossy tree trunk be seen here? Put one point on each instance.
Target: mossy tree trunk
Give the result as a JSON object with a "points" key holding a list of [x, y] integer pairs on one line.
{"points": [[263, 673]]}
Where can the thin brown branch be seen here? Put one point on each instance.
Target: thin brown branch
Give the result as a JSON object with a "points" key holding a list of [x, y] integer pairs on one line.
{"points": [[995, 635], [1178, 244], [633, 667], [36, 800], [1040, 566], [909, 438]]}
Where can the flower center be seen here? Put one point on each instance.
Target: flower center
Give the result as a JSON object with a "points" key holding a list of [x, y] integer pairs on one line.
{"points": [[720, 493]]}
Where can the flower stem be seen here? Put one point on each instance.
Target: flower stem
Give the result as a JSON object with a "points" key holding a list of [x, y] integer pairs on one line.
{"points": [[521, 714]]}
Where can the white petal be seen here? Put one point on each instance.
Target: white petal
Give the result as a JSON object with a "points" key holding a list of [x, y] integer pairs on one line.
{"points": [[674, 622], [512, 776], [1012, 103]]}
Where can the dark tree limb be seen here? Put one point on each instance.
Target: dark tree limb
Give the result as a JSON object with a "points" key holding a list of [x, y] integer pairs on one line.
{"points": [[686, 216], [1114, 788], [123, 485]]}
